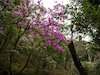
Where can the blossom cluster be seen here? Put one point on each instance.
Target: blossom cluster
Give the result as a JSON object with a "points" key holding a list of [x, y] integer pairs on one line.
{"points": [[45, 19]]}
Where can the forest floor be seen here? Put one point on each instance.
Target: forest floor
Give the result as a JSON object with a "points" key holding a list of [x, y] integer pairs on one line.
{"points": [[53, 72]]}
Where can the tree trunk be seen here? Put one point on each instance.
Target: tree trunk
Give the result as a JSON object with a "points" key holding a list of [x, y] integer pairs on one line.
{"points": [[67, 63], [76, 60], [37, 67], [27, 61], [10, 63], [89, 57], [57, 65]]}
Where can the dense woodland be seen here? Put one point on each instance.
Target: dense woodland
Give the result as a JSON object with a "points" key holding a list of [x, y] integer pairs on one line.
{"points": [[35, 40]]}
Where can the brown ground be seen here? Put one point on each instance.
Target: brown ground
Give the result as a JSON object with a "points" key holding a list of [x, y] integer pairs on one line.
{"points": [[53, 72]]}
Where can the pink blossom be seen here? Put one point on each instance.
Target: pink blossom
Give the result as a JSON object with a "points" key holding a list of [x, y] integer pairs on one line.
{"points": [[22, 24], [39, 2], [18, 13], [57, 47], [71, 38], [55, 1], [25, 39], [64, 16], [31, 39], [1, 28], [19, 6], [25, 9], [37, 36], [60, 18], [73, 62], [7, 3], [32, 33], [67, 43]]}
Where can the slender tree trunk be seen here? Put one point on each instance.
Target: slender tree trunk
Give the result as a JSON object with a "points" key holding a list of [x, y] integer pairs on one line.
{"points": [[27, 61], [95, 57], [10, 62], [89, 57], [57, 65], [77, 63], [37, 67]]}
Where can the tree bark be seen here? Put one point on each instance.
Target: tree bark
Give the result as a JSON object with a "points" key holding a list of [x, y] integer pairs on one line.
{"points": [[37, 66], [76, 60], [10, 62], [90, 57], [27, 61], [67, 63]]}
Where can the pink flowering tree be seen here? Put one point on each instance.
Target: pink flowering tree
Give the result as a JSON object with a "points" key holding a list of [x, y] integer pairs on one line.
{"points": [[41, 22], [47, 24], [35, 21]]}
